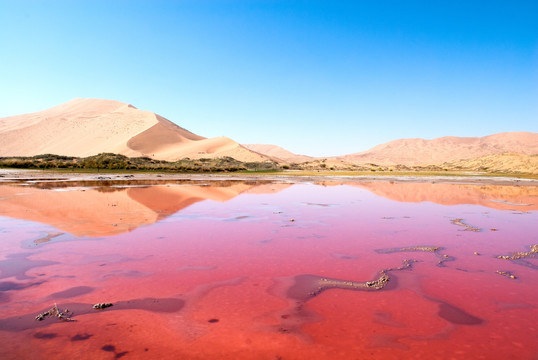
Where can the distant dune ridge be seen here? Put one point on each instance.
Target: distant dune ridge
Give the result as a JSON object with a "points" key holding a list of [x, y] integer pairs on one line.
{"points": [[505, 152], [85, 127], [445, 149], [506, 162]]}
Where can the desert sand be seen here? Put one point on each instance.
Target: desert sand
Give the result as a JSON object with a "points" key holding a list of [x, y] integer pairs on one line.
{"points": [[85, 127], [445, 149], [278, 153], [506, 162]]}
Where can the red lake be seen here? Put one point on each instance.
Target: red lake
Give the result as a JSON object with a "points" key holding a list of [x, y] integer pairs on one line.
{"points": [[230, 269]]}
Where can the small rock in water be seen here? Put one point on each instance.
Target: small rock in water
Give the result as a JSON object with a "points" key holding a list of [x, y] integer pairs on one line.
{"points": [[476, 253], [100, 306]]}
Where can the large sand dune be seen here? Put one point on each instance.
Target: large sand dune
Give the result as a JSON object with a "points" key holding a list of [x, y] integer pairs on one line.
{"points": [[85, 127]]}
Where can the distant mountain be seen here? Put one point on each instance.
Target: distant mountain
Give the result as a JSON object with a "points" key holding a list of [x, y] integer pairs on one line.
{"points": [[85, 127], [278, 153], [445, 149]]}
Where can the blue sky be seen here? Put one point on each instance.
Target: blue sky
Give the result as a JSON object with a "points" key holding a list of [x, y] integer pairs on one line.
{"points": [[315, 77]]}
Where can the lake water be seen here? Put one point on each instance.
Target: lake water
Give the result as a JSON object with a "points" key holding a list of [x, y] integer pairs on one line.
{"points": [[268, 270]]}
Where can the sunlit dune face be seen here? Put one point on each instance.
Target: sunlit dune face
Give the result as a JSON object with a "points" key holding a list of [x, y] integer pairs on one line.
{"points": [[86, 127]]}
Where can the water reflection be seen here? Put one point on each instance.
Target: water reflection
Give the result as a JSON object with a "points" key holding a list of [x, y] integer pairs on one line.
{"points": [[268, 270], [502, 197], [110, 207], [104, 208]]}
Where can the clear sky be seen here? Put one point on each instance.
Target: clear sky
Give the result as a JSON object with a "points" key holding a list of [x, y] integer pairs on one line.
{"points": [[315, 77]]}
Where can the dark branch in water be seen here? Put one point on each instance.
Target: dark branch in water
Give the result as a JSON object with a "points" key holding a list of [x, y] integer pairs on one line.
{"points": [[54, 312], [100, 306]]}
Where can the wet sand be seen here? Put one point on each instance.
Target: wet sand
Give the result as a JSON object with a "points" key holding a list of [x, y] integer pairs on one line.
{"points": [[9, 175]]}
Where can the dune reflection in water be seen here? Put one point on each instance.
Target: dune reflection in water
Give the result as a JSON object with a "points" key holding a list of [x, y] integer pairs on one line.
{"points": [[264, 270]]}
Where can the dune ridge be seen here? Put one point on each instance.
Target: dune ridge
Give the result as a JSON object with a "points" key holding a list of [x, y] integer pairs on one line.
{"points": [[505, 162], [445, 149], [85, 127], [503, 152], [278, 153]]}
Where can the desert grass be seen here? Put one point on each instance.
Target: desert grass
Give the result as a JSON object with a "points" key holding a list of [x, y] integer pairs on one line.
{"points": [[115, 163]]}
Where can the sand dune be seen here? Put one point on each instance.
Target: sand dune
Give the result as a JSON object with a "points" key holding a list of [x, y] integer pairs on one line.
{"points": [[278, 153], [85, 127], [445, 149], [507, 162], [487, 153]]}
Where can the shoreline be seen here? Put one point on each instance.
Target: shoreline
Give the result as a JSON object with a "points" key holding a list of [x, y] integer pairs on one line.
{"points": [[26, 175]]}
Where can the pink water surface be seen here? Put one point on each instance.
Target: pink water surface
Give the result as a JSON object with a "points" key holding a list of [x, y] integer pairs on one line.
{"points": [[203, 271]]}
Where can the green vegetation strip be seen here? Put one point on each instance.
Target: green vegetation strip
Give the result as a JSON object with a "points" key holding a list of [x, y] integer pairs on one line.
{"points": [[115, 163]]}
